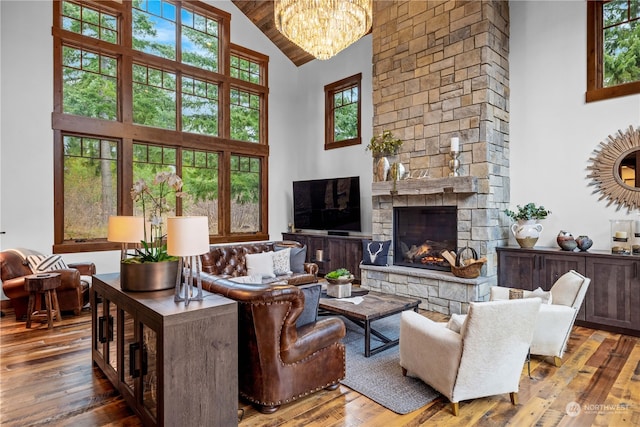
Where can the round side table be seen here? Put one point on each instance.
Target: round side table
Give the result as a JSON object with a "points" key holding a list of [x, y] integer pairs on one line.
{"points": [[43, 284]]}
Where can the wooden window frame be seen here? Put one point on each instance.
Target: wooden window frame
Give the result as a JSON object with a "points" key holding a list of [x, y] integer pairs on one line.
{"points": [[329, 91], [595, 89], [127, 133]]}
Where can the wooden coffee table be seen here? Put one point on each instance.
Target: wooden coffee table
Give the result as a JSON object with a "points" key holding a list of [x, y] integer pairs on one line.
{"points": [[374, 306]]}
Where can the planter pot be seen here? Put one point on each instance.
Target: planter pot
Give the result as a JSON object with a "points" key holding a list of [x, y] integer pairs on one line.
{"points": [[526, 232], [148, 276]]}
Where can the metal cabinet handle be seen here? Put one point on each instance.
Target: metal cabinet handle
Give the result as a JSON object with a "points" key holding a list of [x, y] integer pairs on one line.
{"points": [[110, 328], [133, 349], [101, 337]]}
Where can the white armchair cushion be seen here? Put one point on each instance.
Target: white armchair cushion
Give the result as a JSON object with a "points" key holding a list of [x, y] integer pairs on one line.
{"points": [[456, 322], [497, 339], [553, 328], [566, 288]]}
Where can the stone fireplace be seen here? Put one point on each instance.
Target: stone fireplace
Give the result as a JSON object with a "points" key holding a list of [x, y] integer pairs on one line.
{"points": [[440, 71]]}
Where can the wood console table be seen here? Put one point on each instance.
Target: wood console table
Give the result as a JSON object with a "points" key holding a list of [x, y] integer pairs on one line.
{"points": [[173, 365], [339, 251], [613, 296]]}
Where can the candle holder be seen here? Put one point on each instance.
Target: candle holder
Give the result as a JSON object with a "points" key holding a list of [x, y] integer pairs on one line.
{"points": [[621, 236], [454, 163]]}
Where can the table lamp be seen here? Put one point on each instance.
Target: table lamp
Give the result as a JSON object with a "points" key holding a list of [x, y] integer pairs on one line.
{"points": [[125, 230], [188, 238]]}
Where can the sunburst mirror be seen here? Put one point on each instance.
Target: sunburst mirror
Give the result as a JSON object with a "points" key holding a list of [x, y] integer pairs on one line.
{"points": [[615, 169]]}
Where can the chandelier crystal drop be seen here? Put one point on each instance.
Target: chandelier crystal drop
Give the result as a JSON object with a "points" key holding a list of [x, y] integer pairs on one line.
{"points": [[323, 27]]}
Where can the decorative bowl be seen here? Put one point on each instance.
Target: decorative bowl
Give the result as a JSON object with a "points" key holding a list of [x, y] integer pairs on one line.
{"points": [[340, 280]]}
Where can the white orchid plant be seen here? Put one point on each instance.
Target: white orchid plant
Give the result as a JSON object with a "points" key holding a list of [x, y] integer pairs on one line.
{"points": [[154, 203]]}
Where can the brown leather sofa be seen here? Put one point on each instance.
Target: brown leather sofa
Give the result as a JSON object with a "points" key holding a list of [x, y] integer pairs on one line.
{"points": [[279, 361], [228, 260], [73, 293]]}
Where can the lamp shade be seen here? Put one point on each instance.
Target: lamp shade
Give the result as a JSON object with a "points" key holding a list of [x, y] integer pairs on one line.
{"points": [[125, 229], [187, 235]]}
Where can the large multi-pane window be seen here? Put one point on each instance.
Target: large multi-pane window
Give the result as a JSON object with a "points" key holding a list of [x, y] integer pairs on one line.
{"points": [[342, 113], [613, 48], [148, 86]]}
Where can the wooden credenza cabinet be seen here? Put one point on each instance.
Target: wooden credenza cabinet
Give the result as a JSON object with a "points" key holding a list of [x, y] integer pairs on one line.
{"points": [[339, 251], [613, 298], [173, 365]]}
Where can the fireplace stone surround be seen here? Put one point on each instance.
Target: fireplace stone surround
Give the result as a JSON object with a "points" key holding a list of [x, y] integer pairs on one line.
{"points": [[441, 70]]}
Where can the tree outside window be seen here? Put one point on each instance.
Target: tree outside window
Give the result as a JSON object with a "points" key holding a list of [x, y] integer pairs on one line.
{"points": [[613, 48], [342, 113], [142, 87]]}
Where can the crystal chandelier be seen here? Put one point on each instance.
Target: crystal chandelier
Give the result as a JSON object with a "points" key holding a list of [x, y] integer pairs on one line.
{"points": [[323, 27]]}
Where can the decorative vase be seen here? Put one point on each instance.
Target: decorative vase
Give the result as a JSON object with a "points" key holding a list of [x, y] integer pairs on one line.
{"points": [[148, 276], [397, 171], [566, 241], [382, 168], [526, 232], [584, 243]]}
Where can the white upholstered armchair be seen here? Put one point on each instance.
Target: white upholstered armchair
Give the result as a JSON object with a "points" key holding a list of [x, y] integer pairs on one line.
{"points": [[556, 319], [484, 359]]}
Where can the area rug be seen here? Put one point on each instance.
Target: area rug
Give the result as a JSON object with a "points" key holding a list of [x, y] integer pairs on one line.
{"points": [[379, 377]]}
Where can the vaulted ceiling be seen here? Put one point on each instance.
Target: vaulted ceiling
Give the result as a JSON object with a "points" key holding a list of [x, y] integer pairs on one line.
{"points": [[260, 12]]}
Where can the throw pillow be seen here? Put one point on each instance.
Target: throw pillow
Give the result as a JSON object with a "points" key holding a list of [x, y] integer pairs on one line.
{"points": [[456, 321], [43, 263], [297, 257], [260, 264], [311, 300], [516, 293], [281, 263], [375, 252], [545, 296]]}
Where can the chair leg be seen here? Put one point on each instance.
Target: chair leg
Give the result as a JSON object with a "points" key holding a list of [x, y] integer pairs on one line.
{"points": [[455, 408], [557, 361], [514, 397]]}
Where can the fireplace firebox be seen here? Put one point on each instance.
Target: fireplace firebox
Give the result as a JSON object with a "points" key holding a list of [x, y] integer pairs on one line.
{"points": [[421, 233]]}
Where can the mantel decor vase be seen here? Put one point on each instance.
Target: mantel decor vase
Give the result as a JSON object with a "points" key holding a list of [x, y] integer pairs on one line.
{"points": [[148, 276], [526, 232], [382, 168]]}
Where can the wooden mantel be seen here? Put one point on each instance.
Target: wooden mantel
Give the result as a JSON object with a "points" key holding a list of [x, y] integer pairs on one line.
{"points": [[416, 187]]}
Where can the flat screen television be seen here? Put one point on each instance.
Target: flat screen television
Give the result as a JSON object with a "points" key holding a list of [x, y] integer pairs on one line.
{"points": [[331, 204]]}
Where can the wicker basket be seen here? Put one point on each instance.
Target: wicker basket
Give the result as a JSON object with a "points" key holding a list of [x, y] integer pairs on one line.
{"points": [[470, 271]]}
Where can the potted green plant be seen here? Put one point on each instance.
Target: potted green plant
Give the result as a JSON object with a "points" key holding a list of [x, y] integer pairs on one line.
{"points": [[528, 212], [339, 283], [152, 268], [526, 229], [341, 275], [384, 144], [381, 146]]}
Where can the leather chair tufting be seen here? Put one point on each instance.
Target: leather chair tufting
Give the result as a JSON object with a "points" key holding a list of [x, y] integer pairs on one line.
{"points": [[279, 359]]}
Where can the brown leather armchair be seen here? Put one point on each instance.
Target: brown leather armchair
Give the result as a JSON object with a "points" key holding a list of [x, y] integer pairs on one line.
{"points": [[279, 362], [73, 293]]}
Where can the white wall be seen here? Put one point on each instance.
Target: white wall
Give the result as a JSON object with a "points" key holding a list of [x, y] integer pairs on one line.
{"points": [[553, 132]]}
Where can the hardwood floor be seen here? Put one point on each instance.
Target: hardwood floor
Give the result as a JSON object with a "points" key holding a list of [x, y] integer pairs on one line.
{"points": [[47, 378]]}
